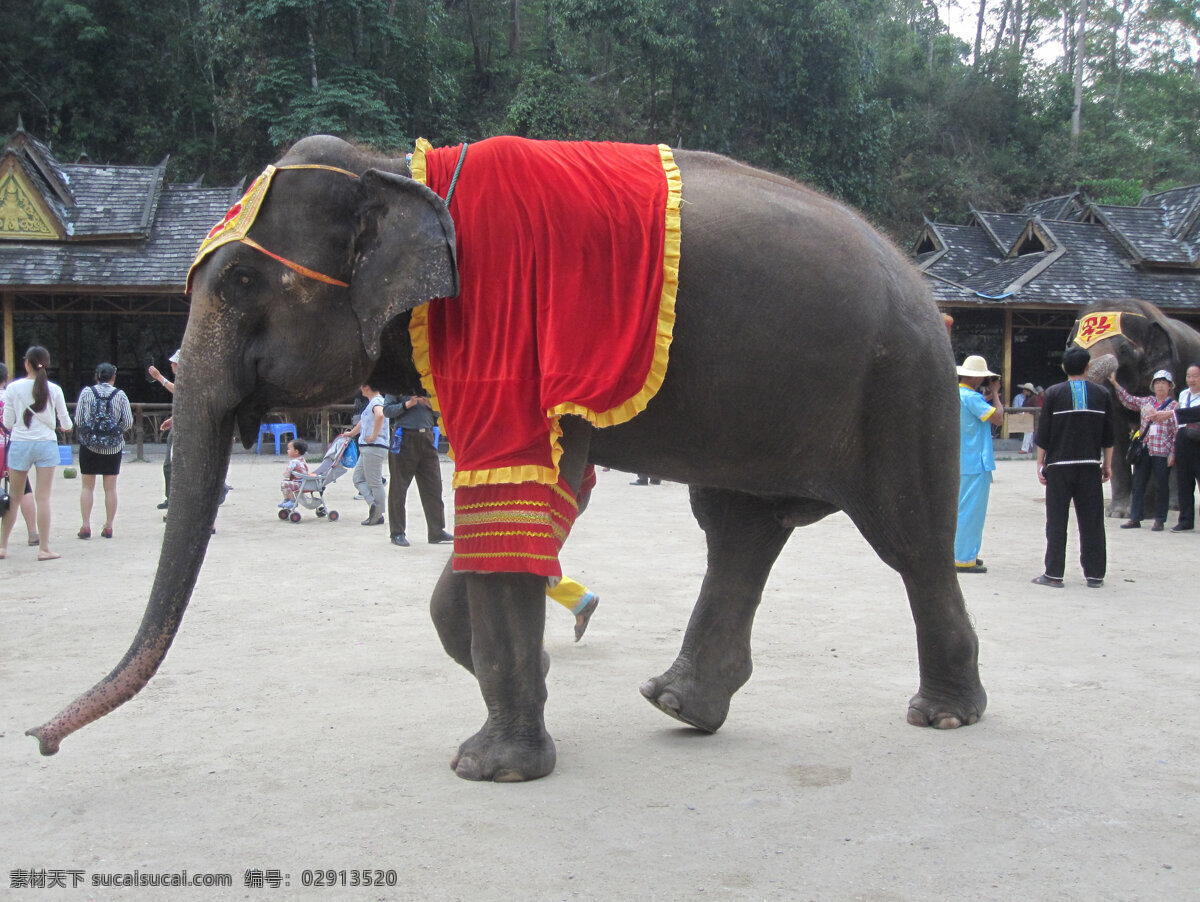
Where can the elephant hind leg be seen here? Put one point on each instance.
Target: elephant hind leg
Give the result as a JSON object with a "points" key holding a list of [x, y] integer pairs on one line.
{"points": [[920, 548], [744, 538]]}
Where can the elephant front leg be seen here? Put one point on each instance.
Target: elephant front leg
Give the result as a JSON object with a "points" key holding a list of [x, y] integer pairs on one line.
{"points": [[508, 616], [744, 539]]}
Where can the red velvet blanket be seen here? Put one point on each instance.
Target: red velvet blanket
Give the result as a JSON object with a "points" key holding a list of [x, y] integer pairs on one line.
{"points": [[568, 259]]}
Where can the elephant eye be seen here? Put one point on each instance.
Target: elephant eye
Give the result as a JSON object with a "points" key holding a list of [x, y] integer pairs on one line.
{"points": [[241, 284]]}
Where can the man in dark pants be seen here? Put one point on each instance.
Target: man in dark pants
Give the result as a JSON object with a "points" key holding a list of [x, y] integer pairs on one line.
{"points": [[414, 418], [1074, 458], [166, 426]]}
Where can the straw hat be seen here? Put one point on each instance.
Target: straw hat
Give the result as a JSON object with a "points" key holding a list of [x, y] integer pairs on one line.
{"points": [[1028, 386], [975, 365]]}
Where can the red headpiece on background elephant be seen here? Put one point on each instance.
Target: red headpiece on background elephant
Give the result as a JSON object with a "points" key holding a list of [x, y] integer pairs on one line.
{"points": [[1141, 337]]}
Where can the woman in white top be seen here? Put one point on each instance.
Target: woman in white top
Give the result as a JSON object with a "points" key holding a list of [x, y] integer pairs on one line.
{"points": [[26, 503], [373, 440], [31, 407]]}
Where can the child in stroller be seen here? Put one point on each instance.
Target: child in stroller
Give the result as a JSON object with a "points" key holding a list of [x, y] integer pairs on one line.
{"points": [[296, 470], [304, 489]]}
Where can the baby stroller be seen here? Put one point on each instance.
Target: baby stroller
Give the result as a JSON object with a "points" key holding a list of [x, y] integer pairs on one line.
{"points": [[312, 487]]}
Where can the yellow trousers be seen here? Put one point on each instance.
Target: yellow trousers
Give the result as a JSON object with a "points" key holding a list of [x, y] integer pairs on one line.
{"points": [[571, 595]]}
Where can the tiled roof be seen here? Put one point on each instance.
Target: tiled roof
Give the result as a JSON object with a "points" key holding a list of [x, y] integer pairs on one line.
{"points": [[1063, 207], [1180, 207], [161, 262], [994, 282], [1145, 231], [1006, 227], [964, 250], [1151, 252], [125, 228], [114, 200]]}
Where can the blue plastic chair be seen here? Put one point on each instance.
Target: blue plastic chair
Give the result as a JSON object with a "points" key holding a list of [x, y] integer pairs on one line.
{"points": [[278, 430]]}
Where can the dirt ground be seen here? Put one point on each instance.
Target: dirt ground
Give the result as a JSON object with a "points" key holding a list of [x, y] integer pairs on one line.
{"points": [[304, 720]]}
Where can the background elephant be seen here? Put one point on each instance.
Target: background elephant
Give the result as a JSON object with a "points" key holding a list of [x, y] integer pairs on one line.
{"points": [[810, 372], [1148, 341]]}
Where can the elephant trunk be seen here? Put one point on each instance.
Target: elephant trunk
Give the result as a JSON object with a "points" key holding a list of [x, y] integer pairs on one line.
{"points": [[201, 449]]}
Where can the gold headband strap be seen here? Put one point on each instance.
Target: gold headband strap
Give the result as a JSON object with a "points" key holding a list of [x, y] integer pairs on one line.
{"points": [[296, 267], [352, 175]]}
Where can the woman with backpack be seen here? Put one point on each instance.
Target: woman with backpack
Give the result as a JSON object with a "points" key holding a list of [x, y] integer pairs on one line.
{"points": [[31, 407], [101, 418]]}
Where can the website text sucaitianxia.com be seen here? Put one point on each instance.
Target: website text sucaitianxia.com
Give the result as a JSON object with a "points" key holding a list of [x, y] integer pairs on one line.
{"points": [[252, 878]]}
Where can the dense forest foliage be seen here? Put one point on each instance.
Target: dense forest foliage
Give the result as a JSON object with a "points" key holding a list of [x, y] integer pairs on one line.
{"points": [[876, 101]]}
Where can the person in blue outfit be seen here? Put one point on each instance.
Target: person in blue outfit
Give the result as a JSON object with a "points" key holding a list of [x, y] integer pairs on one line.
{"points": [[976, 461]]}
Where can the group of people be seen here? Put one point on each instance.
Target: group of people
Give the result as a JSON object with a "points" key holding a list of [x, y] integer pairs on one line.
{"points": [[1074, 437], [1164, 446], [34, 408]]}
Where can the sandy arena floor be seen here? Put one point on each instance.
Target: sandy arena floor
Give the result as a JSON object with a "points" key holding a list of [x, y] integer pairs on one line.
{"points": [[304, 720]]}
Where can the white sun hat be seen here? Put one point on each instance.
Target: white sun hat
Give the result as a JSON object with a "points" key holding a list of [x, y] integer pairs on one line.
{"points": [[975, 365]]}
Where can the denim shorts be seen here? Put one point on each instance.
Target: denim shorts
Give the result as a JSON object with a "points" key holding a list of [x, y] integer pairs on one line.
{"points": [[27, 455]]}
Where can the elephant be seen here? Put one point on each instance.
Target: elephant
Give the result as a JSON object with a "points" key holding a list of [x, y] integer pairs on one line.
{"points": [[1143, 340], [795, 323]]}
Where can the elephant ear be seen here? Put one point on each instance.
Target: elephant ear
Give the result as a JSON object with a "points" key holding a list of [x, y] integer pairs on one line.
{"points": [[1159, 349], [404, 255]]}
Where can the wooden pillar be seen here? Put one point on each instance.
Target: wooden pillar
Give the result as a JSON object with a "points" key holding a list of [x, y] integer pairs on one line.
{"points": [[80, 371], [1006, 368], [139, 429], [60, 355], [10, 338]]}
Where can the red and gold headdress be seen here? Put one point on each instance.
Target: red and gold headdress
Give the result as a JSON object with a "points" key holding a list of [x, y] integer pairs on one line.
{"points": [[237, 222]]}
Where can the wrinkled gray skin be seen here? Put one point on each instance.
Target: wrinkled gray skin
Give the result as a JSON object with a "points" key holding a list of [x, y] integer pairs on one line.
{"points": [[1150, 341], [806, 352]]}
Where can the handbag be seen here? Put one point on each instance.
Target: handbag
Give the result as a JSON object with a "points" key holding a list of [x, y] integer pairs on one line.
{"points": [[5, 498], [1136, 452]]}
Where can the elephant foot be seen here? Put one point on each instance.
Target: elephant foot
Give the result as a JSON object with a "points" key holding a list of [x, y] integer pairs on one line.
{"points": [[487, 756], [683, 694], [945, 712]]}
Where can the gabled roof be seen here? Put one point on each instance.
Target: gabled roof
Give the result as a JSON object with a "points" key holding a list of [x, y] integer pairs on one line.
{"points": [[1181, 207], [1002, 228], [958, 251], [1069, 251], [1066, 206], [98, 228], [1145, 232]]}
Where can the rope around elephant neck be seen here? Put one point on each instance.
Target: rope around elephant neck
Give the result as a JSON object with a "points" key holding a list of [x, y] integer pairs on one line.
{"points": [[462, 156]]}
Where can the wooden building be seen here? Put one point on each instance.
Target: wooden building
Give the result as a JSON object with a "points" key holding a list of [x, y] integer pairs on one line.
{"points": [[1015, 282], [93, 260]]}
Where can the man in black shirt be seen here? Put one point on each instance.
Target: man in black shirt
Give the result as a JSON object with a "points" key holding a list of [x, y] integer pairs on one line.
{"points": [[415, 418], [1074, 458]]}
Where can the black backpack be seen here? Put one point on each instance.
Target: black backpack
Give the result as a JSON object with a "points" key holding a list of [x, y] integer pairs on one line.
{"points": [[102, 431]]}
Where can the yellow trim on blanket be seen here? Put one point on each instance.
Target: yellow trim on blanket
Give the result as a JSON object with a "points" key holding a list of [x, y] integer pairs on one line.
{"points": [[418, 331], [666, 313]]}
